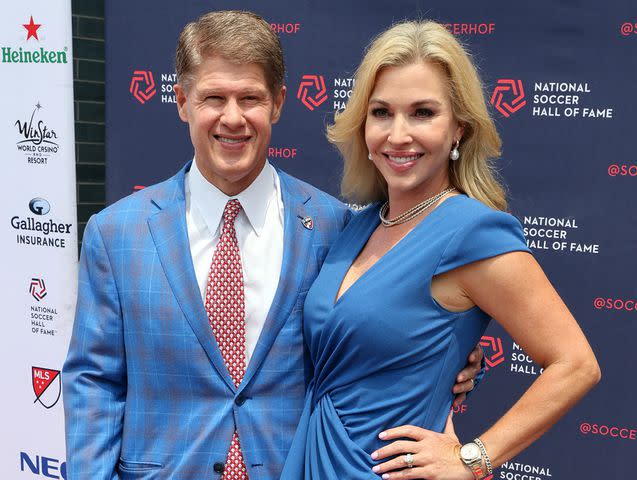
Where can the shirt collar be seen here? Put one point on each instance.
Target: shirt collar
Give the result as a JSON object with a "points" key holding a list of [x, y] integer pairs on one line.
{"points": [[210, 201]]}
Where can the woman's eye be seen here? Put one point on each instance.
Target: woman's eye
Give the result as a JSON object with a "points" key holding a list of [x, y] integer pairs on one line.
{"points": [[380, 112], [424, 112]]}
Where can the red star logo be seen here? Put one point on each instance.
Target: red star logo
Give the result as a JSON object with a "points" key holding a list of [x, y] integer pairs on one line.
{"points": [[32, 29]]}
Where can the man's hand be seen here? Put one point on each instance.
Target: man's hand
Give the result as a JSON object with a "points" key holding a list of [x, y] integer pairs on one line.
{"points": [[465, 381]]}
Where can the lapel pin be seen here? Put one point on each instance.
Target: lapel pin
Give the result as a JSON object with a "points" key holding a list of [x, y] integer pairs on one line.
{"points": [[308, 223]]}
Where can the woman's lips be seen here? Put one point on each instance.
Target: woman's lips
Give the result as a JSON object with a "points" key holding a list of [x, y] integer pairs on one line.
{"points": [[403, 161]]}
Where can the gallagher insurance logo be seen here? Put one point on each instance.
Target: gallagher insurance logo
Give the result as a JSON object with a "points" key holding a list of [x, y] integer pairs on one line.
{"points": [[508, 96], [493, 351], [10, 54], [36, 140], [142, 86], [36, 232], [47, 386], [312, 91], [39, 206]]}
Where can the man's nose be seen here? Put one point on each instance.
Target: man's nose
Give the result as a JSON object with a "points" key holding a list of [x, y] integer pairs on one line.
{"points": [[232, 115]]}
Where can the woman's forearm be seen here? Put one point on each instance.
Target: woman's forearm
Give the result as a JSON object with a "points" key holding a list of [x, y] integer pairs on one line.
{"points": [[553, 393]]}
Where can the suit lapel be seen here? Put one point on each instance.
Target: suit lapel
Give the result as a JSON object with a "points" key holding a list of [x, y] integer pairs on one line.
{"points": [[297, 242], [170, 234]]}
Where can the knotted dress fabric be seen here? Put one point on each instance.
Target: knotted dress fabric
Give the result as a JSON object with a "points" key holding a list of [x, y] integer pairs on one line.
{"points": [[225, 305]]}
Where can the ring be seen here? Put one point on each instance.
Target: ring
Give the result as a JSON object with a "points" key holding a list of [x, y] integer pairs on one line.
{"points": [[409, 460], [473, 382]]}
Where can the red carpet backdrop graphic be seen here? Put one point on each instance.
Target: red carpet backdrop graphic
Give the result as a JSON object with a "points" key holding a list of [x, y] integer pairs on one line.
{"points": [[560, 82]]}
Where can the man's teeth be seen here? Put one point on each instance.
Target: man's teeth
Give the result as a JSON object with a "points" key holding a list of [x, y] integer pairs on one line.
{"points": [[231, 140], [402, 159]]}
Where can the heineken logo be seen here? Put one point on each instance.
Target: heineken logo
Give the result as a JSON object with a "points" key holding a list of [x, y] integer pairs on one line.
{"points": [[32, 29], [38, 55]]}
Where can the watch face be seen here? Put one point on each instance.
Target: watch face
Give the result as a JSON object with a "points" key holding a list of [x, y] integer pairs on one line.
{"points": [[470, 452]]}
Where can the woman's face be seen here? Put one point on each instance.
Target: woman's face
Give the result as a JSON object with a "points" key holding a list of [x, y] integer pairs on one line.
{"points": [[410, 130]]}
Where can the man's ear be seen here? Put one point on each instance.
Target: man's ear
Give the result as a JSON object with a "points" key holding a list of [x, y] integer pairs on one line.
{"points": [[279, 100], [180, 95]]}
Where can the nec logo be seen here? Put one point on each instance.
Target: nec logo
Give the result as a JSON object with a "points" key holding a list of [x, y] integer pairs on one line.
{"points": [[44, 466], [142, 85], [508, 96], [312, 91], [493, 351]]}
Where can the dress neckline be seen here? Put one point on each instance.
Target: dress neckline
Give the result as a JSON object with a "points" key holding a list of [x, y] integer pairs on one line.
{"points": [[364, 238]]}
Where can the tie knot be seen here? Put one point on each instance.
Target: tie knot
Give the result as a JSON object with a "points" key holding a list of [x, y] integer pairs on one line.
{"points": [[233, 207]]}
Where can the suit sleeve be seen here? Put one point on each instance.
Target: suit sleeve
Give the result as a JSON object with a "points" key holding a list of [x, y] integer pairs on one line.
{"points": [[94, 374]]}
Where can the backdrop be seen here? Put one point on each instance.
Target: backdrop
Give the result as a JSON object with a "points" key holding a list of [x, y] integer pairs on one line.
{"points": [[560, 77], [38, 241]]}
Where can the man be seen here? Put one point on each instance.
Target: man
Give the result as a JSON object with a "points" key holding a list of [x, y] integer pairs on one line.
{"points": [[187, 357]]}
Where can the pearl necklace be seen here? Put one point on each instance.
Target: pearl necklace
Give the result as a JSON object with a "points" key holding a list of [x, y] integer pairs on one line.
{"points": [[413, 212]]}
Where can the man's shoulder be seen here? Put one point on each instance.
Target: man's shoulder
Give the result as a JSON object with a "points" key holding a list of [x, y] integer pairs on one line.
{"points": [[137, 206], [317, 197]]}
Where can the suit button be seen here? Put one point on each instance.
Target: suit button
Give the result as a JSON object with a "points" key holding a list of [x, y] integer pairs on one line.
{"points": [[218, 467], [240, 400]]}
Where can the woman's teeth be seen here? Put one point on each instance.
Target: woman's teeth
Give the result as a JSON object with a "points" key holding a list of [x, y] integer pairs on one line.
{"points": [[403, 159]]}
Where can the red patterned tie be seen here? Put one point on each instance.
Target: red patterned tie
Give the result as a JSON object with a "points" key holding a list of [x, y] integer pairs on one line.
{"points": [[225, 304]]}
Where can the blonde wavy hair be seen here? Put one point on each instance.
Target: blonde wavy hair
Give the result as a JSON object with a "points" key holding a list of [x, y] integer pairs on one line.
{"points": [[404, 44]]}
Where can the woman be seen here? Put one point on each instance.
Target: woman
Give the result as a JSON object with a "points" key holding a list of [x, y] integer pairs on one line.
{"points": [[401, 300]]}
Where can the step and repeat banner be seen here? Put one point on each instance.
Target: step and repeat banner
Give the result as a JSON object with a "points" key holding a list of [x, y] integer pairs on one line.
{"points": [[560, 79], [39, 237]]}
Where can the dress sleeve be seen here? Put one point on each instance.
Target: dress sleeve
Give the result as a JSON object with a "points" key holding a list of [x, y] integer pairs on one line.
{"points": [[490, 234]]}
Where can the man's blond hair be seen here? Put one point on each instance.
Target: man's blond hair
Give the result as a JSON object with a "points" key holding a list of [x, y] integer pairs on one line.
{"points": [[237, 36]]}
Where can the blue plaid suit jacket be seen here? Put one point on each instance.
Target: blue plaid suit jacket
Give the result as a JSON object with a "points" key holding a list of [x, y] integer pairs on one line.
{"points": [[146, 391]]}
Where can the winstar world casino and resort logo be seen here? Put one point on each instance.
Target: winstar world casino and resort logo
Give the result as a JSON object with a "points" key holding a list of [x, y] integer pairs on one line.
{"points": [[28, 51], [550, 99], [36, 140]]}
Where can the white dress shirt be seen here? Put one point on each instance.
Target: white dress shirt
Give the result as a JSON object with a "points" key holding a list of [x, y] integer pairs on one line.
{"points": [[259, 228]]}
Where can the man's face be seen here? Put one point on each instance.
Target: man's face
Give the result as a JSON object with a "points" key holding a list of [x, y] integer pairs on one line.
{"points": [[230, 112]]}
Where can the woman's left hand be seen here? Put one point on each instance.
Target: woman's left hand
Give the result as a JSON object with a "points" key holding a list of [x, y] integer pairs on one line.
{"points": [[435, 455]]}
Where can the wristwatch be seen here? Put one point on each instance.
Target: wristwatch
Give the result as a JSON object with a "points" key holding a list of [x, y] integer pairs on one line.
{"points": [[471, 455]]}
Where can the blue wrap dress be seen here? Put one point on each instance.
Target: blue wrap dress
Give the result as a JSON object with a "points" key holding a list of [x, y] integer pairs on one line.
{"points": [[386, 353]]}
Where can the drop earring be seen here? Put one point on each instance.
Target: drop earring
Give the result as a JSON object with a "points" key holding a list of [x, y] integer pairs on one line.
{"points": [[455, 154]]}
